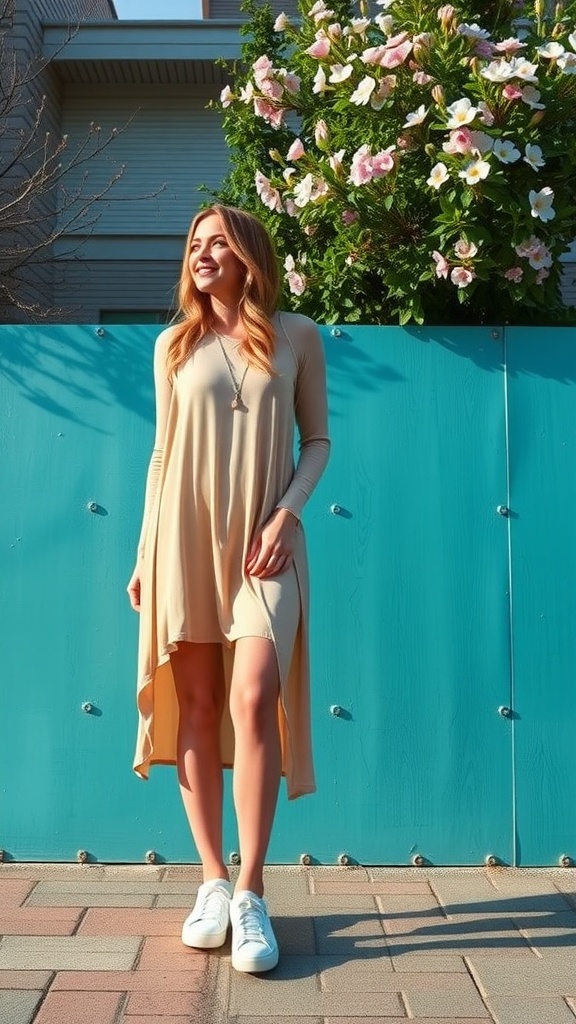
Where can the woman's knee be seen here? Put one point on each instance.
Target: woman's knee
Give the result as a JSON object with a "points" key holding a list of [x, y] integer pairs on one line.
{"points": [[199, 685]]}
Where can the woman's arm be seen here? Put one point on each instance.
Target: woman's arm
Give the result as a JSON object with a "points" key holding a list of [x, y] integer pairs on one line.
{"points": [[163, 393], [311, 411]]}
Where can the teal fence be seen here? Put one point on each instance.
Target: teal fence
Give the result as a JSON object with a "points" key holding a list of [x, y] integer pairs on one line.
{"points": [[443, 557]]}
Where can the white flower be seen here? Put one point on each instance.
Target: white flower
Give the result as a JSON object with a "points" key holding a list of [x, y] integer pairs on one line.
{"points": [[357, 26], [531, 97], [363, 91], [541, 203], [303, 190], [335, 160], [498, 71], [438, 175], [462, 277], [340, 72], [551, 51], [534, 157], [505, 151], [247, 93], [282, 22], [319, 11], [572, 40], [289, 263], [567, 64], [287, 173], [416, 117], [385, 23], [522, 68], [475, 172], [319, 81], [472, 31], [462, 112], [226, 96]]}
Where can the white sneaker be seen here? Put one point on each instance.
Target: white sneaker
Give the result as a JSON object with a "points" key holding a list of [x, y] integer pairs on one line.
{"points": [[207, 924], [254, 946]]}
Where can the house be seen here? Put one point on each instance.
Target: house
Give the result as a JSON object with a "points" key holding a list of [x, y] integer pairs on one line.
{"points": [[118, 258]]}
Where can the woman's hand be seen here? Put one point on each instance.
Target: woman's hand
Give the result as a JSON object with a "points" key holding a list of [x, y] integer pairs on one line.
{"points": [[133, 588], [272, 549]]}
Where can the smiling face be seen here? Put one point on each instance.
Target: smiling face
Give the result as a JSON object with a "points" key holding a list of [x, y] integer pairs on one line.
{"points": [[215, 269]]}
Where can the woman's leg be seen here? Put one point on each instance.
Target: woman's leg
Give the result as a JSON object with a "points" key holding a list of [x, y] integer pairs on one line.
{"points": [[257, 758], [199, 678]]}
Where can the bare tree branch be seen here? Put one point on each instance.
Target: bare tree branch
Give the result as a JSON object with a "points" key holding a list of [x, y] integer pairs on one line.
{"points": [[37, 206]]}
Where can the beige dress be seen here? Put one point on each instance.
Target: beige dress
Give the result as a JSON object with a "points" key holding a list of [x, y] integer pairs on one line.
{"points": [[215, 477]]}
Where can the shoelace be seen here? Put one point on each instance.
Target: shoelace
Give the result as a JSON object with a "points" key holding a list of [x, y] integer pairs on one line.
{"points": [[250, 920], [211, 906]]}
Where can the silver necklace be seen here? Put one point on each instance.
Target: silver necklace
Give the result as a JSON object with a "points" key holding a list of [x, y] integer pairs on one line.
{"points": [[236, 402]]}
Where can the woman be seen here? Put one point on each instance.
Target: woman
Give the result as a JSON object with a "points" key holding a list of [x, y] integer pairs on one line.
{"points": [[221, 568]]}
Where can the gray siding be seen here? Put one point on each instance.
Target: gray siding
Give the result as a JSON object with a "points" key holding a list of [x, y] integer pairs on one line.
{"points": [[169, 138], [111, 284], [230, 9]]}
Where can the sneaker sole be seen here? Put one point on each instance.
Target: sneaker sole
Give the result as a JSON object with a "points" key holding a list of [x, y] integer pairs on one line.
{"points": [[207, 942], [257, 966]]}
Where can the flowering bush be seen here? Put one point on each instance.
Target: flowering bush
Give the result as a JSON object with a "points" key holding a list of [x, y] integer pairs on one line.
{"points": [[415, 165]]}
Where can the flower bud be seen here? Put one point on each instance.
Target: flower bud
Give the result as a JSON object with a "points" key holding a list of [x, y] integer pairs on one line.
{"points": [[321, 134], [430, 150], [439, 96], [537, 117], [334, 31], [275, 156], [446, 15]]}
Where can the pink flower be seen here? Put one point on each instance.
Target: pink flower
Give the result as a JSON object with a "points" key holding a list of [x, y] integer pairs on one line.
{"points": [[442, 265], [262, 70], [269, 196], [421, 78], [373, 55], [484, 48], [291, 82], [460, 141], [364, 166], [296, 282], [274, 115], [396, 55], [512, 92], [542, 275], [382, 164], [296, 150], [361, 167], [514, 274], [465, 250], [270, 88], [462, 277], [320, 48], [511, 45], [397, 40], [349, 217]]}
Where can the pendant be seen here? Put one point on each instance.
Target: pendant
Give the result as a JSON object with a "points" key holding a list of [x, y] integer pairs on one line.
{"points": [[235, 403]]}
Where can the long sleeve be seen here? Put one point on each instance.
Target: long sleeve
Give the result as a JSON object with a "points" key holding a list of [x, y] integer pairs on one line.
{"points": [[163, 393], [311, 414]]}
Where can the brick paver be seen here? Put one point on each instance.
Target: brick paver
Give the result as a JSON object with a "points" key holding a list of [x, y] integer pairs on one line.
{"points": [[374, 945]]}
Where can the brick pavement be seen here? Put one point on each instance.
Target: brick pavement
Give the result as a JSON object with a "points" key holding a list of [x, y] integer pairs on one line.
{"points": [[374, 945]]}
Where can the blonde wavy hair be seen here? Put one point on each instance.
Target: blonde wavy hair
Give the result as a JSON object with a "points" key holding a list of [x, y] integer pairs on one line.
{"points": [[252, 245]]}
